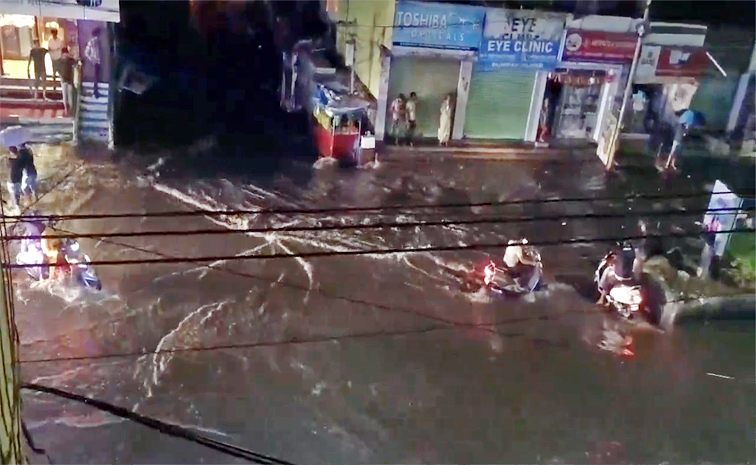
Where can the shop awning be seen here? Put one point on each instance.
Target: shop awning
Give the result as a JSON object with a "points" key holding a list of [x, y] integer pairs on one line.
{"points": [[108, 10]]}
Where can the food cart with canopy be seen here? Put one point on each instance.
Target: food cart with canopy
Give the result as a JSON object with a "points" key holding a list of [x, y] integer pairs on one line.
{"points": [[338, 128]]}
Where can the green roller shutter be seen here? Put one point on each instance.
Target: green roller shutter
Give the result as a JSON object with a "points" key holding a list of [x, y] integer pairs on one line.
{"points": [[499, 104], [431, 80]]}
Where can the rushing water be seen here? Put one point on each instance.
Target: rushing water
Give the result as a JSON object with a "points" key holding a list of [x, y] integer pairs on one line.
{"points": [[368, 359]]}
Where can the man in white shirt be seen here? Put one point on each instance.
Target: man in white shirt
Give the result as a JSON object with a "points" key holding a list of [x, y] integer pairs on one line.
{"points": [[515, 255], [411, 117], [92, 53], [55, 49]]}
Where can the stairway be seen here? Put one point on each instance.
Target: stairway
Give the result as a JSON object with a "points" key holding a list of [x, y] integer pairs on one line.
{"points": [[45, 120], [93, 113]]}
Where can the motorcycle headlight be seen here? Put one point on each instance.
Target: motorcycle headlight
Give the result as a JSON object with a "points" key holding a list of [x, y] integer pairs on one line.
{"points": [[75, 246]]}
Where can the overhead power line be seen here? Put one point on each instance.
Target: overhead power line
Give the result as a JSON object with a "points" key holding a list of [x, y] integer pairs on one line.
{"points": [[390, 251], [160, 426], [395, 224], [349, 210]]}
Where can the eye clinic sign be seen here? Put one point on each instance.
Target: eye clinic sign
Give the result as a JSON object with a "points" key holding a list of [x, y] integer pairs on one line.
{"points": [[438, 25], [521, 39]]}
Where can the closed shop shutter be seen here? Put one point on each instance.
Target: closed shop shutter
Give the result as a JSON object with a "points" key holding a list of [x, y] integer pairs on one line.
{"points": [[499, 104], [431, 80], [712, 98]]}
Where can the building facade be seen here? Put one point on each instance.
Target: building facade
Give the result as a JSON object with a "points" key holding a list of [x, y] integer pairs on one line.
{"points": [[524, 75]]}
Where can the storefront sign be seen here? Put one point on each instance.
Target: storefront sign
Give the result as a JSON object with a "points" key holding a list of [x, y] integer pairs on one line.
{"points": [[98, 10], [682, 62], [437, 25], [664, 63], [521, 39], [599, 46]]}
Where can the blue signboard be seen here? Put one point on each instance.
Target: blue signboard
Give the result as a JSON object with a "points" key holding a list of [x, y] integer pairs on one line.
{"points": [[438, 25], [521, 39]]}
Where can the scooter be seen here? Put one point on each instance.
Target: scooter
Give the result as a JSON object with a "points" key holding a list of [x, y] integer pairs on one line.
{"points": [[501, 280], [82, 272], [626, 299]]}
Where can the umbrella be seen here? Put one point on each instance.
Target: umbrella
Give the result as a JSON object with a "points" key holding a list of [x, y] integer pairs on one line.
{"points": [[692, 118], [14, 136]]}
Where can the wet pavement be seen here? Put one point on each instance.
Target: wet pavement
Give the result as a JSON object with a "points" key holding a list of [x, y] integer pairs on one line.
{"points": [[367, 359]]}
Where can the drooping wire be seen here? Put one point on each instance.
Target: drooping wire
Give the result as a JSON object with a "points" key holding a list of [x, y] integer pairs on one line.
{"points": [[161, 426], [349, 210], [401, 225], [389, 251]]}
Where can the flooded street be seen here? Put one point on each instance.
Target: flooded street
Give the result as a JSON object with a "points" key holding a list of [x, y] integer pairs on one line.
{"points": [[370, 358]]}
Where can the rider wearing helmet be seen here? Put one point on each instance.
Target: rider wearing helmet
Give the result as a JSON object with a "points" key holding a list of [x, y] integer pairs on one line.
{"points": [[623, 268]]}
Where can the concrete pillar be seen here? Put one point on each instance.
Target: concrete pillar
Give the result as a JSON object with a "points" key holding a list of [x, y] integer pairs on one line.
{"points": [[536, 103], [383, 87], [463, 93]]}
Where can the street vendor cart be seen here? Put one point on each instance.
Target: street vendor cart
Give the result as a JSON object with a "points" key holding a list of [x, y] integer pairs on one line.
{"points": [[338, 129]]}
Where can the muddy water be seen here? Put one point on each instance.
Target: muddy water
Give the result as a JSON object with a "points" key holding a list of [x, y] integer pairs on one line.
{"points": [[369, 359]]}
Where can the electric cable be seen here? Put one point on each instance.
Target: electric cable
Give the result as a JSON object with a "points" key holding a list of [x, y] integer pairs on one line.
{"points": [[350, 210], [160, 426], [399, 225], [389, 251]]}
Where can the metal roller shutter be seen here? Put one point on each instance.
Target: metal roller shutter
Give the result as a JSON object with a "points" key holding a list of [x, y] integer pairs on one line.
{"points": [[431, 80], [499, 104]]}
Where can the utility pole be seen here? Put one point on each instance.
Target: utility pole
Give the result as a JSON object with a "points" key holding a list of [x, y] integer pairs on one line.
{"points": [[13, 447], [614, 143], [350, 51]]}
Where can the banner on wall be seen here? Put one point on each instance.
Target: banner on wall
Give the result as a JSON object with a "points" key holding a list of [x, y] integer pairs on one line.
{"points": [[521, 39], [438, 25]]}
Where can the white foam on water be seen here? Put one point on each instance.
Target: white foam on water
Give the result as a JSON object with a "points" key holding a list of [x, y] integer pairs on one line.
{"points": [[160, 360], [327, 162]]}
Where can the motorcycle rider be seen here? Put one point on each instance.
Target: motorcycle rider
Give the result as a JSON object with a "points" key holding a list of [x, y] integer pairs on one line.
{"points": [[53, 249], [515, 258], [620, 266], [32, 229]]}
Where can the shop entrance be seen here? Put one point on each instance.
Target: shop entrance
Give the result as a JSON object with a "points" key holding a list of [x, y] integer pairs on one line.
{"points": [[17, 36], [577, 96]]}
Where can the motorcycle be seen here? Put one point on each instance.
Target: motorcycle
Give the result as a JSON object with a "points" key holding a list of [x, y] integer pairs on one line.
{"points": [[503, 281], [81, 271], [625, 298]]}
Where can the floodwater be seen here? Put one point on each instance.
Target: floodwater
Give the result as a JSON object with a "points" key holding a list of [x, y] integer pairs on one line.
{"points": [[367, 359]]}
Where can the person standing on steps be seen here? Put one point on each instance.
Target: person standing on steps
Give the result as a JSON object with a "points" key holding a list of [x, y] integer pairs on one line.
{"points": [[92, 53], [37, 56], [55, 48], [398, 117], [66, 69], [411, 117], [445, 122]]}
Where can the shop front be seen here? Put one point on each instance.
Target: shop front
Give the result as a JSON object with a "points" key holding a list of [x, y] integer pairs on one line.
{"points": [[433, 49], [517, 47], [664, 84], [579, 94]]}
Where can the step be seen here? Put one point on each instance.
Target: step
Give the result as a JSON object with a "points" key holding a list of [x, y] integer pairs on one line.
{"points": [[93, 116], [103, 100], [100, 124], [94, 106], [25, 93], [29, 103], [100, 85]]}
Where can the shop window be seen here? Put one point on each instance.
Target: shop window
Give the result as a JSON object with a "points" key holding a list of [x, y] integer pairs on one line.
{"points": [[17, 34]]}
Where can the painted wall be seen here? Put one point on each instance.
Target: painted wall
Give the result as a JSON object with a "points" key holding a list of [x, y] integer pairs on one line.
{"points": [[374, 20], [85, 33]]}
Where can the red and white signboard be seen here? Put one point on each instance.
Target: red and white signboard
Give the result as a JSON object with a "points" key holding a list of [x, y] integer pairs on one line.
{"points": [[599, 46], [668, 63], [682, 62]]}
